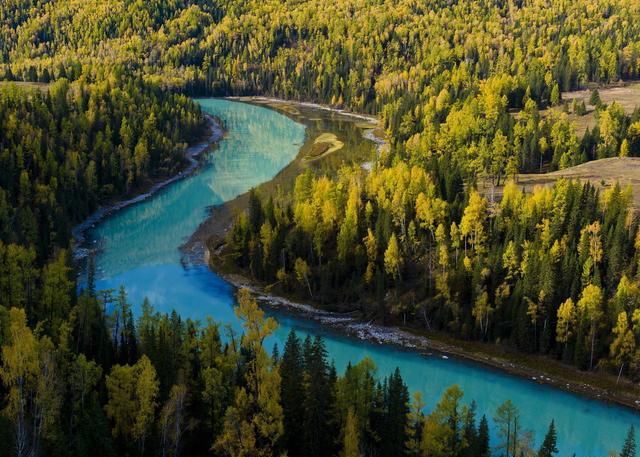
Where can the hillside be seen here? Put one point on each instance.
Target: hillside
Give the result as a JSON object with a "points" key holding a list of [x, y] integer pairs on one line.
{"points": [[626, 95], [602, 174]]}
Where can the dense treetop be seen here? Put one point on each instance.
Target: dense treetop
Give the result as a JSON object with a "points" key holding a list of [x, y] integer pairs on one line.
{"points": [[66, 149]]}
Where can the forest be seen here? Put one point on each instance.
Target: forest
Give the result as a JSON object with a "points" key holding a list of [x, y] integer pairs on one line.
{"points": [[107, 385], [461, 89]]}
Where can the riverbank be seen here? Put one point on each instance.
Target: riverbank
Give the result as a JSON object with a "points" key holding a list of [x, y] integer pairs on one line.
{"points": [[192, 153], [208, 244], [375, 134], [538, 369], [361, 140]]}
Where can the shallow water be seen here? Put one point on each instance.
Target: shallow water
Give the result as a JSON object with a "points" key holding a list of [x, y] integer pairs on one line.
{"points": [[139, 249]]}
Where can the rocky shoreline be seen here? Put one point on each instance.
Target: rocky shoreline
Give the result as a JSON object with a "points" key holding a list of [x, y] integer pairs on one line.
{"points": [[216, 132], [352, 326]]}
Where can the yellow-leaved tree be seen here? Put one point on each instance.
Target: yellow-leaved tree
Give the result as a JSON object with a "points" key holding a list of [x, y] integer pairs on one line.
{"points": [[393, 258], [566, 321], [351, 439], [590, 306], [29, 374], [253, 423], [623, 345], [132, 392]]}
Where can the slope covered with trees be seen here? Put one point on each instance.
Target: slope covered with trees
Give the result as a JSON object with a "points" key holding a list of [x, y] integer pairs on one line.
{"points": [[554, 272], [106, 386], [66, 149], [443, 76]]}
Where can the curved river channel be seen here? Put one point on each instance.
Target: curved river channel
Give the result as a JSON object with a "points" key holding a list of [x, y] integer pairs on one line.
{"points": [[139, 249]]}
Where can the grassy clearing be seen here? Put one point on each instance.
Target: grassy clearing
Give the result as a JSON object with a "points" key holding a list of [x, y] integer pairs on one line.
{"points": [[626, 95], [601, 173], [26, 85]]}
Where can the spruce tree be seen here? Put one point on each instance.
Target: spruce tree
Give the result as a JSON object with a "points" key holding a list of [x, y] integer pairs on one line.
{"points": [[292, 395], [629, 448], [483, 438], [549, 447], [320, 431], [595, 99], [397, 412]]}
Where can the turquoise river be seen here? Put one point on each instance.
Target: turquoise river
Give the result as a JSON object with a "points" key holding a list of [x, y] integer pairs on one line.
{"points": [[139, 249]]}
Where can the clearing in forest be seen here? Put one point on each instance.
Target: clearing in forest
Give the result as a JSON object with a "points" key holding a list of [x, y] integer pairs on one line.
{"points": [[26, 85], [626, 95], [601, 173]]}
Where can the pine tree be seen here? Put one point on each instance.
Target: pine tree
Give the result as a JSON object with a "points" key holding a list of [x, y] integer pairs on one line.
{"points": [[397, 414], [319, 420], [292, 395], [595, 99], [549, 445], [629, 448], [483, 438]]}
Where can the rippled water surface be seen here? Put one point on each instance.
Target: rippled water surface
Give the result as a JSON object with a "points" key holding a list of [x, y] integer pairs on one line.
{"points": [[140, 251]]}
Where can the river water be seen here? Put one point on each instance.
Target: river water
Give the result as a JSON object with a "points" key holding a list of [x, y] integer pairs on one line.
{"points": [[139, 249]]}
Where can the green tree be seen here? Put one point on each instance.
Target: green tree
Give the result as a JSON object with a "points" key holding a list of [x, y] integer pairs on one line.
{"points": [[483, 438], [441, 433], [292, 394], [629, 447], [30, 377], [320, 428], [623, 346], [590, 306], [507, 420], [173, 421], [57, 291], [549, 447], [595, 99], [132, 392]]}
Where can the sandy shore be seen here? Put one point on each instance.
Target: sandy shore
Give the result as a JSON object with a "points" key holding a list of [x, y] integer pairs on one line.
{"points": [[371, 134], [216, 132], [259, 99]]}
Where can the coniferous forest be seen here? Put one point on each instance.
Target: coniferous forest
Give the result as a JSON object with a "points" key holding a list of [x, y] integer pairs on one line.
{"points": [[439, 236]]}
